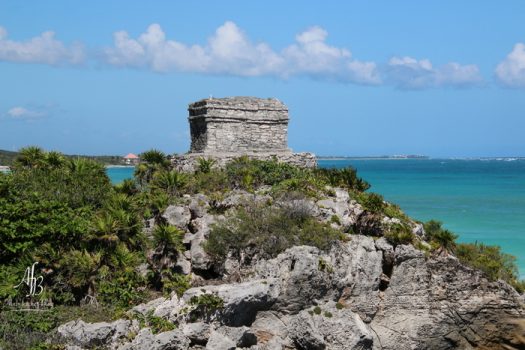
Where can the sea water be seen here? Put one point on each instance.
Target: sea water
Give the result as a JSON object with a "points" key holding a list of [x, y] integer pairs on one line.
{"points": [[480, 200]]}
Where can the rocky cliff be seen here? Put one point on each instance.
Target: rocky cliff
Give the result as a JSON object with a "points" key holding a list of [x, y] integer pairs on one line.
{"points": [[364, 292]]}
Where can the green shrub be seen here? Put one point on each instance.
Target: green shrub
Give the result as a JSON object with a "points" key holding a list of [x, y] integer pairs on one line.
{"points": [[346, 177], [267, 230], [491, 260], [439, 237], [205, 165], [122, 289], [335, 219], [339, 306], [371, 201], [328, 314], [20, 330], [399, 234], [205, 305], [317, 310], [170, 182], [175, 282], [394, 211], [168, 238], [155, 323], [27, 224]]}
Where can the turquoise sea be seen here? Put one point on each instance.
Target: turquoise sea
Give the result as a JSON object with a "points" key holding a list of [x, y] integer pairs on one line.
{"points": [[480, 200]]}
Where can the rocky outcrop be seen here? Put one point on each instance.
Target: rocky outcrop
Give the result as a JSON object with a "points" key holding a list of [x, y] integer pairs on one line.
{"points": [[364, 293]]}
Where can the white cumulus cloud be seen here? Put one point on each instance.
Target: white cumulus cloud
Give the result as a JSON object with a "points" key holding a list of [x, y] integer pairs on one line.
{"points": [[230, 51], [40, 49], [410, 73], [19, 112], [511, 71]]}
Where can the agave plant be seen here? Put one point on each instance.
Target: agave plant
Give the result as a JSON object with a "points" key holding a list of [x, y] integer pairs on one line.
{"points": [[205, 165]]}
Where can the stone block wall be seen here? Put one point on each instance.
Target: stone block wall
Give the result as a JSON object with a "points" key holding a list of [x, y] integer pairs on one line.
{"points": [[189, 162], [223, 129], [238, 124]]}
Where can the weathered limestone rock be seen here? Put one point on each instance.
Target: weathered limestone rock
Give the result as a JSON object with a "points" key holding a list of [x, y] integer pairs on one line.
{"points": [[370, 294], [242, 301], [85, 334], [179, 216], [334, 329], [226, 338], [223, 129], [197, 332], [146, 340]]}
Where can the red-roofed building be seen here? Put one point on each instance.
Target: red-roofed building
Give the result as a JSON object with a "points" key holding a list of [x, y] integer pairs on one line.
{"points": [[131, 158]]}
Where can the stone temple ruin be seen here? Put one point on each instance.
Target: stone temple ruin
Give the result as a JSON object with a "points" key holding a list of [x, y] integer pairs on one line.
{"points": [[226, 128]]}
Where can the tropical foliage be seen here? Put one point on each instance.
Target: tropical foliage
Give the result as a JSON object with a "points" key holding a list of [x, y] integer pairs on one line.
{"points": [[89, 240]]}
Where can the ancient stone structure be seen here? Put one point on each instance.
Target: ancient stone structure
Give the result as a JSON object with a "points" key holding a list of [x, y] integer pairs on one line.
{"points": [[226, 128]]}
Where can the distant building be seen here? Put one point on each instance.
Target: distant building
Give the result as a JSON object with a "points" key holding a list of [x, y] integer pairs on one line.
{"points": [[131, 159]]}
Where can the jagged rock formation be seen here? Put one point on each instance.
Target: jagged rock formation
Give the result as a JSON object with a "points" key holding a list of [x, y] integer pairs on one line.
{"points": [[226, 128], [363, 293]]}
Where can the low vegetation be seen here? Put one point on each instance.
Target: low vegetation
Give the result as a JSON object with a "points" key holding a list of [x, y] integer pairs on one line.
{"points": [[267, 230], [96, 259]]}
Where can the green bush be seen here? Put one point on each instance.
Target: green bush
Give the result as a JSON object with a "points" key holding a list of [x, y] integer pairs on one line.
{"points": [[399, 234], [205, 305], [205, 165], [26, 224], [20, 330], [175, 282], [170, 182], [439, 237], [155, 323], [267, 230], [372, 202], [346, 177], [491, 260]]}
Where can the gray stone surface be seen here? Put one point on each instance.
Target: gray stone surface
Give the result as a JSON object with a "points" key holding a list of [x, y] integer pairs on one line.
{"points": [[84, 334], [179, 216], [189, 162], [146, 340], [371, 294], [242, 301], [223, 129], [237, 124], [197, 332]]}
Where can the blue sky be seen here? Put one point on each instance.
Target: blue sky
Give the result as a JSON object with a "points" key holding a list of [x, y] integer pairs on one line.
{"points": [[359, 77]]}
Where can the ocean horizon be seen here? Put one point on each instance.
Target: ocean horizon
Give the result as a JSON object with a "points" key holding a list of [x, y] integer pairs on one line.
{"points": [[479, 199]]}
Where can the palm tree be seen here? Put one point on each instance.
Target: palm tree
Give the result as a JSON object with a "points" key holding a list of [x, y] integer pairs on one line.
{"points": [[155, 157], [169, 181], [54, 159], [105, 229], [168, 239], [81, 269], [152, 162], [30, 157], [168, 244], [127, 187]]}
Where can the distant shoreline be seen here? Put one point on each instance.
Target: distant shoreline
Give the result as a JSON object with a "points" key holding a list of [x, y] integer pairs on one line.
{"points": [[119, 166]]}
